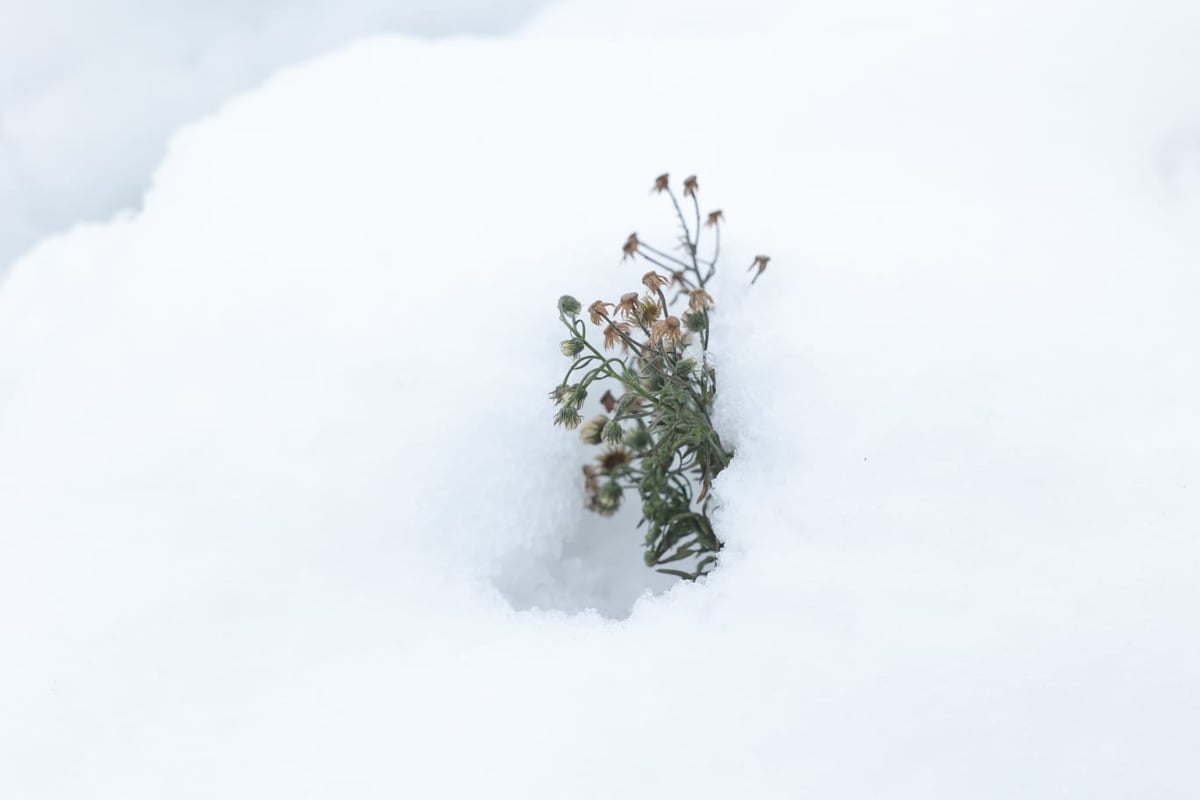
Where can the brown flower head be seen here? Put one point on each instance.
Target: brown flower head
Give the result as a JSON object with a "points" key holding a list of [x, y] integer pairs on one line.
{"points": [[660, 183], [613, 458], [615, 334], [653, 281], [627, 305], [678, 277], [761, 263], [714, 218], [608, 401], [598, 312], [690, 186], [699, 300], [667, 330], [629, 249]]}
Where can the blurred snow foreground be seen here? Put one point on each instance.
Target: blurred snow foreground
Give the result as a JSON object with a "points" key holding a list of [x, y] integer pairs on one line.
{"points": [[277, 476]]}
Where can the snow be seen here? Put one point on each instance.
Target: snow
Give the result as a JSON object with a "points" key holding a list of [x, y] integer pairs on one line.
{"points": [[90, 92], [282, 513]]}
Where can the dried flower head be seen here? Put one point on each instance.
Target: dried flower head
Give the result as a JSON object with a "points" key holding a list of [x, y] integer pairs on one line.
{"points": [[714, 218], [615, 334], [668, 330], [597, 311], [761, 263], [660, 183], [699, 300], [628, 304], [614, 458], [608, 401], [591, 431], [653, 281], [690, 185], [629, 249]]}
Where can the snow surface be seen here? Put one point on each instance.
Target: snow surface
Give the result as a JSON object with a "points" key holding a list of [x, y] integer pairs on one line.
{"points": [[277, 475], [90, 91]]}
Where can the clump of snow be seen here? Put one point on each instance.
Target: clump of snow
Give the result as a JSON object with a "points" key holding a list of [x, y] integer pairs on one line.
{"points": [[90, 92], [276, 467]]}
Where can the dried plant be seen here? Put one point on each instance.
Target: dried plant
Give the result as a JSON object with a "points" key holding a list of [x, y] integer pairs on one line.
{"points": [[656, 429]]}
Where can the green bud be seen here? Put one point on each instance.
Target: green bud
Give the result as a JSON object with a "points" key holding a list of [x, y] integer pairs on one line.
{"points": [[685, 367], [557, 394], [638, 439], [613, 432], [568, 306], [695, 321], [568, 417], [609, 499], [574, 395], [571, 347]]}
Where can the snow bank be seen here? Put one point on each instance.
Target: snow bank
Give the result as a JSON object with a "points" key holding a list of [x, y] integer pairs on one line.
{"points": [[276, 465], [90, 91]]}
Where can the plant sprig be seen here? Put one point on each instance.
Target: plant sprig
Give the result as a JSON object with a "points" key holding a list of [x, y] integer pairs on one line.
{"points": [[657, 429]]}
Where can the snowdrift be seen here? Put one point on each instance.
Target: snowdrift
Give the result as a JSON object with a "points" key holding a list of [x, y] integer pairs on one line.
{"points": [[282, 513]]}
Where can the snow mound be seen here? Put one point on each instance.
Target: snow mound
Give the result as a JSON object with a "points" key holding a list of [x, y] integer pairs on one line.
{"points": [[277, 476], [91, 91]]}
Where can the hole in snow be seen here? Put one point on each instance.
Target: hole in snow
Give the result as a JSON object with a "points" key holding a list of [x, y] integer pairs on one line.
{"points": [[595, 564]]}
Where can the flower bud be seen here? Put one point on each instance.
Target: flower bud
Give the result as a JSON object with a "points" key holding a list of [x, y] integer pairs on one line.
{"points": [[639, 439], [568, 306], [574, 395], [592, 430], [613, 432], [571, 347], [568, 417]]}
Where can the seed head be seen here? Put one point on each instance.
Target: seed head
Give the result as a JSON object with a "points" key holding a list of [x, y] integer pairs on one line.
{"points": [[714, 218], [660, 183], [690, 186]]}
